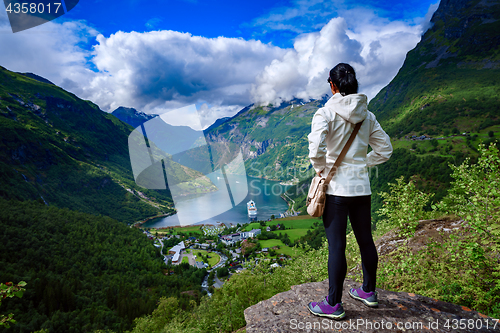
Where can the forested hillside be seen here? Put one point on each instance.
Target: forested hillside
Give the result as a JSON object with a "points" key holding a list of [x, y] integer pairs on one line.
{"points": [[83, 272], [66, 152], [449, 253]]}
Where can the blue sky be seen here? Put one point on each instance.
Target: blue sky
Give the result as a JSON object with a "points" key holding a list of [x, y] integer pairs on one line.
{"points": [[214, 18], [160, 55]]}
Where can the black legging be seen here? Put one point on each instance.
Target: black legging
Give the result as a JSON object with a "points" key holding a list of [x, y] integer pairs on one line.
{"points": [[335, 221]]}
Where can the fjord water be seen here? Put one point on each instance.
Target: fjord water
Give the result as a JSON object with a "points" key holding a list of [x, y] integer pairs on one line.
{"points": [[265, 193]]}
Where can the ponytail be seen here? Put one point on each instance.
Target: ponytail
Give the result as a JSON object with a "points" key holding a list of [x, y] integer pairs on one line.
{"points": [[344, 77]]}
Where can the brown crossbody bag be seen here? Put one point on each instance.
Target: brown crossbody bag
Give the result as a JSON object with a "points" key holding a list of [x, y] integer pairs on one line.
{"points": [[316, 196]]}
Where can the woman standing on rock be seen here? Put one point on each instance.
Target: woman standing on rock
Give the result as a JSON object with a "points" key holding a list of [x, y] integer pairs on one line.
{"points": [[349, 193]]}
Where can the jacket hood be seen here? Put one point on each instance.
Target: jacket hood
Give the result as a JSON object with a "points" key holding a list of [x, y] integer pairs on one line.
{"points": [[352, 108]]}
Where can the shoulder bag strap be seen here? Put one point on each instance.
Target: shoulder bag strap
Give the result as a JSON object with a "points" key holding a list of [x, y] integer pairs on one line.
{"points": [[342, 153]]}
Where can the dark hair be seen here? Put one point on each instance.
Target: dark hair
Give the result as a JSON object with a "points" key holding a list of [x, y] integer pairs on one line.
{"points": [[344, 77]]}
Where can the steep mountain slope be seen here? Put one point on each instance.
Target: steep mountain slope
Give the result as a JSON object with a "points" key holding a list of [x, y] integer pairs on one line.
{"points": [[450, 80], [64, 151]]}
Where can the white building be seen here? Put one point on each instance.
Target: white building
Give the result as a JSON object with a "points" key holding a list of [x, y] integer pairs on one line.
{"points": [[231, 239], [176, 251], [254, 233]]}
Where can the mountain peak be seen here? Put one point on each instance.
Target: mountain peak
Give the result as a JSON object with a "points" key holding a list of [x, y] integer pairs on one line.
{"points": [[463, 29], [132, 116], [36, 77]]}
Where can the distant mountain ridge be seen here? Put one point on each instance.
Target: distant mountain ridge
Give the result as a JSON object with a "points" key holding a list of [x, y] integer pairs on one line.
{"points": [[136, 118], [217, 123], [131, 116], [267, 135], [271, 138], [36, 77]]}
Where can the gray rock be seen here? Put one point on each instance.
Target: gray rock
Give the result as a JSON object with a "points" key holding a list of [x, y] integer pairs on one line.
{"points": [[397, 312]]}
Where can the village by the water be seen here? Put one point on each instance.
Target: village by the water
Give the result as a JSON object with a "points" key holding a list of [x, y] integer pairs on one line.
{"points": [[224, 249]]}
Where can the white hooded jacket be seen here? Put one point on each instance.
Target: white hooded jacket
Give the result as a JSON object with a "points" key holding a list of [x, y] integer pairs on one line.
{"points": [[330, 129]]}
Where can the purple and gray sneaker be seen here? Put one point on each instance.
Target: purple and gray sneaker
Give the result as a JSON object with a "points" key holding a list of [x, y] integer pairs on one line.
{"points": [[324, 309], [370, 299]]}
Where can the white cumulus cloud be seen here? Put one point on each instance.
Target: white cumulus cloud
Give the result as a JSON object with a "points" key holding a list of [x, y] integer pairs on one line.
{"points": [[375, 47], [52, 50], [160, 71]]}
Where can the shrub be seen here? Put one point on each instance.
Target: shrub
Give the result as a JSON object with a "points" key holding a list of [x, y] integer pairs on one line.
{"points": [[475, 194], [9, 290], [463, 268], [222, 272], [403, 207]]}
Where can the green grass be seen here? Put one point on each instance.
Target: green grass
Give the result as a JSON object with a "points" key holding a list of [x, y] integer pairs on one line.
{"points": [[294, 222], [283, 248], [271, 242], [253, 225], [293, 234], [453, 98], [299, 222], [177, 230], [291, 251], [457, 142], [215, 258], [185, 260]]}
